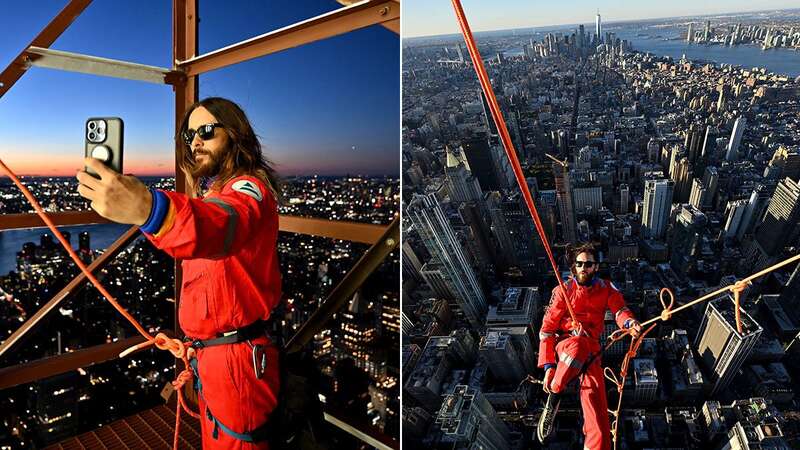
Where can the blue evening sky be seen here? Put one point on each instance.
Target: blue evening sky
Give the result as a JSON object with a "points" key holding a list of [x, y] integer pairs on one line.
{"points": [[427, 18], [330, 107]]}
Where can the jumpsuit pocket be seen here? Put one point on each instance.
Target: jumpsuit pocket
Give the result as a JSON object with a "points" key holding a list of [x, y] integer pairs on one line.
{"points": [[193, 304]]}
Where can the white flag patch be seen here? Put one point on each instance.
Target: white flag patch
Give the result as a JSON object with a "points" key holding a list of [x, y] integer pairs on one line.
{"points": [[249, 188]]}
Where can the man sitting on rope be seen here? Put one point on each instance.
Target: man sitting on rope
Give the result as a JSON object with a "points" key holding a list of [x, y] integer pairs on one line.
{"points": [[578, 346]]}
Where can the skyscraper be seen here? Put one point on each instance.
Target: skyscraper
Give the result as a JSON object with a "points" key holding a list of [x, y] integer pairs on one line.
{"points": [[487, 116], [690, 34], [758, 202], [694, 142], [682, 175], [785, 163], [719, 343], [686, 237], [736, 139], [780, 222], [734, 213], [481, 163], [466, 417], [463, 185], [657, 205], [505, 363], [645, 379], [439, 238], [501, 230], [564, 201], [598, 30]]}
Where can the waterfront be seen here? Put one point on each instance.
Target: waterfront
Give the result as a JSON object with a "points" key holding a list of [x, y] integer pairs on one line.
{"points": [[11, 241]]}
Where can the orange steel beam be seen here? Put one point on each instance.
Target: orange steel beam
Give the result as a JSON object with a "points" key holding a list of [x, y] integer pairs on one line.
{"points": [[72, 287], [365, 233], [44, 39], [353, 280], [340, 21], [392, 25], [185, 37], [32, 220], [54, 365]]}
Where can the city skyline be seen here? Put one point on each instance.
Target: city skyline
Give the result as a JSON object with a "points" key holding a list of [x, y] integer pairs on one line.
{"points": [[432, 20], [304, 103]]}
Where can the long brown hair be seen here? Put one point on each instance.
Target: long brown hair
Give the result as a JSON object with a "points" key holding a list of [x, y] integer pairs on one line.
{"points": [[242, 155]]}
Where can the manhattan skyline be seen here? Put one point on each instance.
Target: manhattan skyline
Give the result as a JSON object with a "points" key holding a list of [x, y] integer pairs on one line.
{"points": [[433, 20]]}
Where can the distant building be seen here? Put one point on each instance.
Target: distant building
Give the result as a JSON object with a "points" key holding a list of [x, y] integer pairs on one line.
{"points": [[645, 378], [452, 269], [503, 360], [732, 152], [657, 205], [720, 345], [467, 419]]}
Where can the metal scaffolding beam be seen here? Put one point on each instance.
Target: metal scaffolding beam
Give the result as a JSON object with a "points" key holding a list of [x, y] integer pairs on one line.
{"points": [[94, 65], [32, 220], [55, 365], [340, 21], [370, 261], [44, 39], [365, 233]]}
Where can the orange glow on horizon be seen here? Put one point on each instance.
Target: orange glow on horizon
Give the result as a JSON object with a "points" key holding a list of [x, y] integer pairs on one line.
{"points": [[60, 165]]}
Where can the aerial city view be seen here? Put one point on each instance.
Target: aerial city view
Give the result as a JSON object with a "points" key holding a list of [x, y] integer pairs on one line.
{"points": [[673, 146]]}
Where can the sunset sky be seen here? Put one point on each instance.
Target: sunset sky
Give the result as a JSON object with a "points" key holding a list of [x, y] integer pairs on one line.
{"points": [[331, 107]]}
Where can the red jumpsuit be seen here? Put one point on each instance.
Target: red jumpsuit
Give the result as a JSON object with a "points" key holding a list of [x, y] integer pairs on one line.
{"points": [[589, 305], [231, 279]]}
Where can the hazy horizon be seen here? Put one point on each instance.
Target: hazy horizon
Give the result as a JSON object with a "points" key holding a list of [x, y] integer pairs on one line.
{"points": [[479, 15]]}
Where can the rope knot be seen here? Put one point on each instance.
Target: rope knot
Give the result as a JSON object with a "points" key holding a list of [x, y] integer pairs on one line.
{"points": [[183, 377], [175, 346], [740, 286]]}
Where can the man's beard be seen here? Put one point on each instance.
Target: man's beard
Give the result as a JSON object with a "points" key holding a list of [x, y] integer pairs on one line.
{"points": [[208, 168], [584, 279]]}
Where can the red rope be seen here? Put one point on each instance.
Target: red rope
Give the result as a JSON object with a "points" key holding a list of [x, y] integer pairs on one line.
{"points": [[160, 340], [508, 146]]}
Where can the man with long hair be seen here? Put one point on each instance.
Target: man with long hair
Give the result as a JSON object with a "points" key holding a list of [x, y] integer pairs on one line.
{"points": [[576, 347], [226, 239]]}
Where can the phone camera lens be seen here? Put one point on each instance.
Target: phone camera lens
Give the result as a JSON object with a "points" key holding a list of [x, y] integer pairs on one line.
{"points": [[92, 136], [92, 125]]}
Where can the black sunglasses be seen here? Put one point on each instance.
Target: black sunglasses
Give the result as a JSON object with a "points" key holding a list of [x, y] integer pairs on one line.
{"points": [[205, 132], [585, 263]]}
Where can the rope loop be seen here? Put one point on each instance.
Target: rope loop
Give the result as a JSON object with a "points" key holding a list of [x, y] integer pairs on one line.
{"points": [[612, 377], [666, 313], [174, 346]]}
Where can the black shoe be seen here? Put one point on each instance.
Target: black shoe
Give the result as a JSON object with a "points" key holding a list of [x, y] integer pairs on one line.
{"points": [[548, 417]]}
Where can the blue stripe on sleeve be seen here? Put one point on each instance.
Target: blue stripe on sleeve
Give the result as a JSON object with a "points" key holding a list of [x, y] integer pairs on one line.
{"points": [[157, 213]]}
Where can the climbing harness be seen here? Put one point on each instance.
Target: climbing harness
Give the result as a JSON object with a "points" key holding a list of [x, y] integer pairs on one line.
{"points": [[736, 289]]}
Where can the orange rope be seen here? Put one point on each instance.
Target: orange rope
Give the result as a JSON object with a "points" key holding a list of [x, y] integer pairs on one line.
{"points": [[160, 340]]}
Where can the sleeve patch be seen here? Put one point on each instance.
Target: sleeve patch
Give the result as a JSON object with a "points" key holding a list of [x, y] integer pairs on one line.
{"points": [[248, 188]]}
